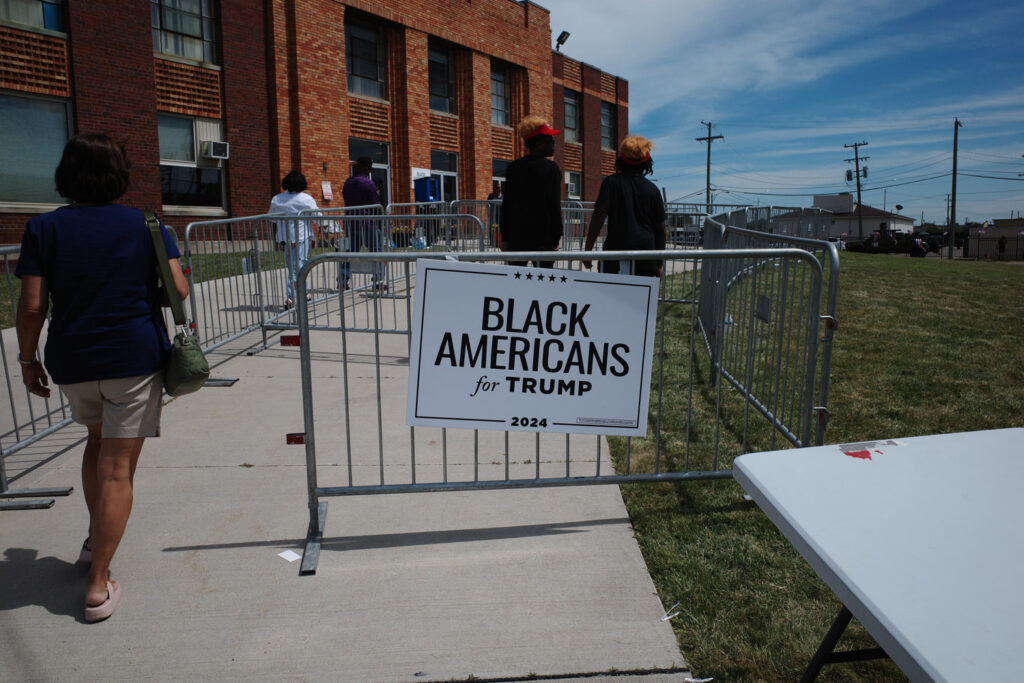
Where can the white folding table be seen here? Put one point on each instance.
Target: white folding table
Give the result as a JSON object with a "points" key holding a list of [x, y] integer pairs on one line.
{"points": [[922, 539]]}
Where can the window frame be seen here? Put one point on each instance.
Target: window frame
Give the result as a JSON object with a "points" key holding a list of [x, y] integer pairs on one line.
{"points": [[609, 133], [574, 179], [380, 171], [195, 164], [208, 20], [505, 114], [570, 97], [52, 16], [445, 85], [448, 177], [8, 206], [379, 81]]}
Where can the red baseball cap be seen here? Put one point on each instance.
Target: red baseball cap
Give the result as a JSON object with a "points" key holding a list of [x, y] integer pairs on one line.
{"points": [[543, 130]]}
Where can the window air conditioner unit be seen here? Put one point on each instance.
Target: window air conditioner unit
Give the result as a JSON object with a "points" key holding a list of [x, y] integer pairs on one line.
{"points": [[211, 149]]}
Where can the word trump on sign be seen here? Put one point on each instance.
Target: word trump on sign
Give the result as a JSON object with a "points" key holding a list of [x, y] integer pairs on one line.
{"points": [[527, 349]]}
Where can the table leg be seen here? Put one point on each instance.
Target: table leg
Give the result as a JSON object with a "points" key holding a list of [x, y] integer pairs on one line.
{"points": [[825, 654]]}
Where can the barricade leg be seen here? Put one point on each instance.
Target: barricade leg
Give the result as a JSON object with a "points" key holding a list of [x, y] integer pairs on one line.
{"points": [[314, 538]]}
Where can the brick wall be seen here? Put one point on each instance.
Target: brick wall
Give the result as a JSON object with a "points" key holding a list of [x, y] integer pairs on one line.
{"points": [[33, 62], [188, 89], [477, 145], [118, 95], [444, 132], [369, 119], [410, 123], [282, 96], [245, 108], [595, 87], [319, 56], [591, 106]]}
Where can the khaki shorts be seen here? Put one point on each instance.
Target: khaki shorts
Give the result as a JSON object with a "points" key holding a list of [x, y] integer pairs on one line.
{"points": [[128, 407]]}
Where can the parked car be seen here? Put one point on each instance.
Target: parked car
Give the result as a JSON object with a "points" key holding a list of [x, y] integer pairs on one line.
{"points": [[885, 242]]}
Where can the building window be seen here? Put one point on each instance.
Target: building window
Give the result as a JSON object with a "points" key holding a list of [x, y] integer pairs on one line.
{"points": [[608, 137], [572, 107], [499, 168], [33, 132], [185, 28], [364, 49], [444, 161], [48, 14], [444, 167], [186, 178], [573, 184], [441, 77], [380, 174], [499, 96]]}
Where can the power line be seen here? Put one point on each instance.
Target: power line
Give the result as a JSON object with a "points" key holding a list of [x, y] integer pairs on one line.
{"points": [[992, 177], [811, 194]]}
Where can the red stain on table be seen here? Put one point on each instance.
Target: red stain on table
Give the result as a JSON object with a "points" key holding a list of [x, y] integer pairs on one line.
{"points": [[863, 455]]}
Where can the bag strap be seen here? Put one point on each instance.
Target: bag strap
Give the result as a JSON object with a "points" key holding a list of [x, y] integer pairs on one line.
{"points": [[165, 267]]}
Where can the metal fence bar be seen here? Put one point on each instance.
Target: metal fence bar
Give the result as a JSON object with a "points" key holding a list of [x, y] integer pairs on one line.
{"points": [[767, 227], [29, 418], [757, 357]]}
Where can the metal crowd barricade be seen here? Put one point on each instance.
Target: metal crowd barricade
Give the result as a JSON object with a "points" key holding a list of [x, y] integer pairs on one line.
{"points": [[377, 294], [701, 208], [237, 277], [28, 418], [489, 213], [330, 233], [422, 226], [772, 343], [575, 220], [717, 319]]}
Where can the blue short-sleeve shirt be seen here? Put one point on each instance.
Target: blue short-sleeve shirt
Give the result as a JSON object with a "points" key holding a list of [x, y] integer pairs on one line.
{"points": [[100, 269]]}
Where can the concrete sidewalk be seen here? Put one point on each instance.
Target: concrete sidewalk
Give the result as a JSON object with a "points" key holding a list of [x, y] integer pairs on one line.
{"points": [[483, 585]]}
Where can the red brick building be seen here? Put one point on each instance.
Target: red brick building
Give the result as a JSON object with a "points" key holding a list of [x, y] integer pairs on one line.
{"points": [[423, 88]]}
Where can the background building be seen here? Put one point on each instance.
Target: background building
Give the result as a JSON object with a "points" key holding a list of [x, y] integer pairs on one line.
{"points": [[846, 222], [308, 84]]}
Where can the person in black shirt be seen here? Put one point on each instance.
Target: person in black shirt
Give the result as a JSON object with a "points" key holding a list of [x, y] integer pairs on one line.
{"points": [[633, 207], [531, 209]]}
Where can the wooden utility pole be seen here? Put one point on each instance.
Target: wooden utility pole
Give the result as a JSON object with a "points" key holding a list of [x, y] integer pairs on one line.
{"points": [[856, 160], [707, 182], [952, 204]]}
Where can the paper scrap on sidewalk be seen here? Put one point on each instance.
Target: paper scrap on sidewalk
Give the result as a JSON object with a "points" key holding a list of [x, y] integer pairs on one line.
{"points": [[669, 613], [290, 555]]}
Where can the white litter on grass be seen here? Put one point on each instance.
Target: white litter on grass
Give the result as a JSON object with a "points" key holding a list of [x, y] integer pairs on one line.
{"points": [[669, 613], [290, 555], [697, 680]]}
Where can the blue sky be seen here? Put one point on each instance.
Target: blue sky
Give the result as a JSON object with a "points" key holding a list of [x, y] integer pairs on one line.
{"points": [[789, 83]]}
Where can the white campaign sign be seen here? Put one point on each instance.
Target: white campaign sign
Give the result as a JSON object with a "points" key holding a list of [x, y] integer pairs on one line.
{"points": [[530, 349]]}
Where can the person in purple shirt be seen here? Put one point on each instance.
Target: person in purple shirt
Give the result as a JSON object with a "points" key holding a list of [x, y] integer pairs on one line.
{"points": [[360, 190]]}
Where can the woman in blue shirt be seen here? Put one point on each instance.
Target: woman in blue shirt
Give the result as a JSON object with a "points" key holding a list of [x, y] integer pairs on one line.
{"points": [[93, 262]]}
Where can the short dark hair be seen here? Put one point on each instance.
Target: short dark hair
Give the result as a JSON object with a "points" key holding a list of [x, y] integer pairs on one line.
{"points": [[294, 182], [93, 169], [365, 162]]}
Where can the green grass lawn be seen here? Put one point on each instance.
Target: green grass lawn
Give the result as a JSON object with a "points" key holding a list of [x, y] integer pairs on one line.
{"points": [[923, 346]]}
